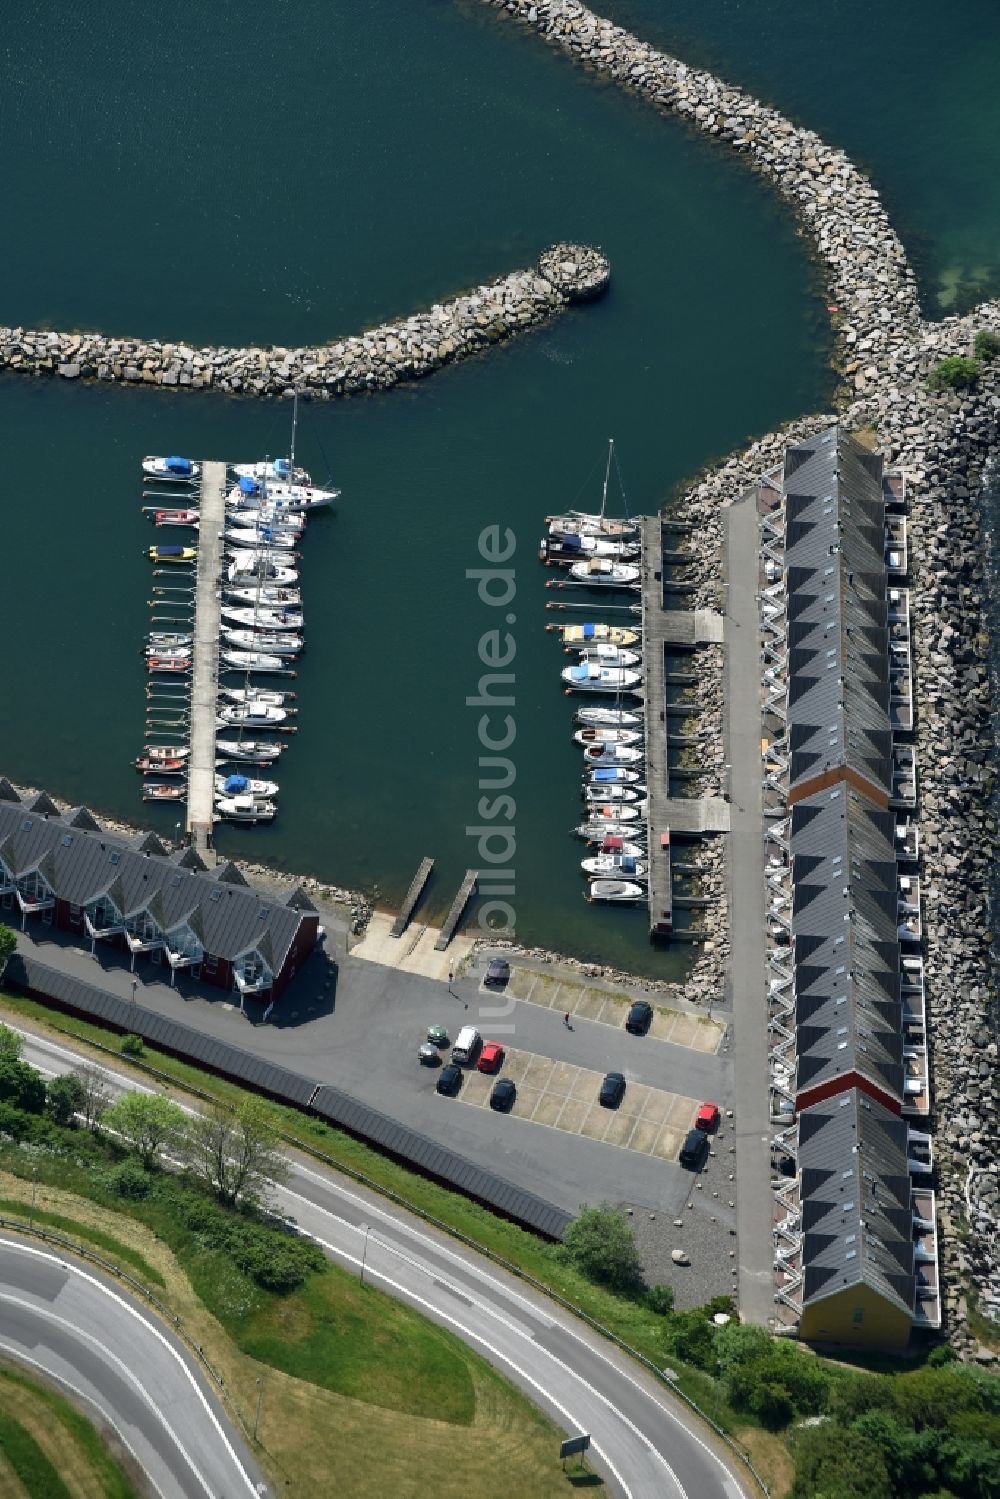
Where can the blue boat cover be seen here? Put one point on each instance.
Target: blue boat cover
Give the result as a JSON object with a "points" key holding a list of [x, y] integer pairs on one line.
{"points": [[234, 784], [572, 543], [579, 673], [588, 632], [627, 865], [282, 467], [247, 484], [605, 775], [169, 551], [179, 465]]}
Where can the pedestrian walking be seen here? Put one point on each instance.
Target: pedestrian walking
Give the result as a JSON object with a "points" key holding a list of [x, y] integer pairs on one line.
{"points": [[566, 1020]]}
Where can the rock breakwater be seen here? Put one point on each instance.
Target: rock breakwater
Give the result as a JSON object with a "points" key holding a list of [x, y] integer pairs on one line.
{"points": [[376, 360]]}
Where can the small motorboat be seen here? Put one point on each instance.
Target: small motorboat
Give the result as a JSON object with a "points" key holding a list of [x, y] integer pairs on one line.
{"points": [[163, 664], [163, 791], [257, 695], [629, 845], [170, 468], [255, 661], [240, 785], [573, 546], [175, 518], [612, 754], [269, 641], [169, 652], [588, 677], [264, 593], [246, 567], [609, 718], [244, 809], [613, 775], [579, 523], [263, 619], [173, 554], [604, 793], [597, 831], [625, 892], [264, 536], [606, 654], [605, 572], [165, 640], [167, 751], [148, 764], [601, 815], [583, 635], [253, 716], [615, 866], [599, 735], [280, 472], [249, 751]]}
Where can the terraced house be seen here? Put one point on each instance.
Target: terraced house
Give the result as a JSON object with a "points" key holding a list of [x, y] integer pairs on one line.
{"points": [[65, 870], [856, 1258]]}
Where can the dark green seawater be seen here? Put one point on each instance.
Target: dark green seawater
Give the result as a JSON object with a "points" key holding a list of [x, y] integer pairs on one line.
{"points": [[291, 173]]}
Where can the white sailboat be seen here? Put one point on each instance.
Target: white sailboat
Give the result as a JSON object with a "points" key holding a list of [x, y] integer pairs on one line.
{"points": [[582, 522]]}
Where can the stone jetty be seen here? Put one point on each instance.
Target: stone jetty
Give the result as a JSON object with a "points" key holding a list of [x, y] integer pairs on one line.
{"points": [[374, 360], [942, 441]]}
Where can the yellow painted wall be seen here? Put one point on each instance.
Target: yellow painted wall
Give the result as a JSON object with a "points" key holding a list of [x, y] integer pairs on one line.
{"points": [[859, 1317]]}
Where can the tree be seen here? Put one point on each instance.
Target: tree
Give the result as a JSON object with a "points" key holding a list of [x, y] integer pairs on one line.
{"points": [[11, 1043], [21, 1086], [147, 1122], [954, 373], [132, 1046], [96, 1094], [832, 1462], [63, 1098], [601, 1244], [660, 1299], [8, 942], [235, 1151], [986, 345]]}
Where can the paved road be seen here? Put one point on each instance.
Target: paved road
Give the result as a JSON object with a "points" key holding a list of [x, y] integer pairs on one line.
{"points": [[746, 899], [366, 1040], [125, 1369], [644, 1442]]}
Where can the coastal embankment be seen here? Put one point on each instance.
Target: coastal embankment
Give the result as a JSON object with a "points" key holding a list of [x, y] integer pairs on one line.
{"points": [[374, 360], [942, 440]]}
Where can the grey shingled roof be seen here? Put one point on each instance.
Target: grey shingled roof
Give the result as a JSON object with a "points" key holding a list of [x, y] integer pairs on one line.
{"points": [[857, 1220], [845, 942], [81, 865], [837, 603]]}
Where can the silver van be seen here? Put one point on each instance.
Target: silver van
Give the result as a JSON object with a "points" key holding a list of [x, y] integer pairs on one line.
{"points": [[467, 1043]]}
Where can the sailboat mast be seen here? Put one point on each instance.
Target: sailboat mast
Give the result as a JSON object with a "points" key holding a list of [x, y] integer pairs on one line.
{"points": [[607, 475], [295, 422]]}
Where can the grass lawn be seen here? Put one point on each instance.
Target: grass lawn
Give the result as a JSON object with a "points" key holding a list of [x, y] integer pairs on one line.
{"points": [[110, 1248], [48, 1450], [353, 1383]]}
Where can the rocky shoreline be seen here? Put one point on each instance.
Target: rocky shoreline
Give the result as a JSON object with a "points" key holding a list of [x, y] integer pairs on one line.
{"points": [[375, 360], [942, 442]]}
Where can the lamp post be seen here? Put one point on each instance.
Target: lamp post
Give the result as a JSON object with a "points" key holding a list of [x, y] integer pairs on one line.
{"points": [[34, 1189], [364, 1252], [135, 985], [256, 1419]]}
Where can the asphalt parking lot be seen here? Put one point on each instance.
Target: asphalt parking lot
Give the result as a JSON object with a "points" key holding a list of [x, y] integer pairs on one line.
{"points": [[563, 1096], [591, 1002]]}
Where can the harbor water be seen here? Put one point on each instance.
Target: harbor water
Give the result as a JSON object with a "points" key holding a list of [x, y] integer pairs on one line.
{"points": [[204, 195]]}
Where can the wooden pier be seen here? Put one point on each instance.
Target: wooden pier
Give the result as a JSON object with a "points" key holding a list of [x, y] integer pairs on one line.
{"points": [[654, 617], [205, 661], [414, 893], [458, 905]]}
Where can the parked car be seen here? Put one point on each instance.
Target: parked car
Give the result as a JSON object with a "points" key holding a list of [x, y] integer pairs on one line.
{"points": [[438, 1035], [639, 1017], [491, 1057], [497, 972], [449, 1079], [612, 1090], [429, 1054], [694, 1150], [467, 1044], [708, 1117], [503, 1095]]}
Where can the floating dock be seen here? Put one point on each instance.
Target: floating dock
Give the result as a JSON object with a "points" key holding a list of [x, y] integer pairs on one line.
{"points": [[458, 905], [655, 620], [414, 893], [205, 660]]}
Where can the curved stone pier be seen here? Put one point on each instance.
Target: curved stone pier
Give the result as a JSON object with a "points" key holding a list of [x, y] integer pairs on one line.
{"points": [[376, 360]]}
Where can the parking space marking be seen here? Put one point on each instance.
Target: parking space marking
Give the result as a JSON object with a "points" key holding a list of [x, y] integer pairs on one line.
{"points": [[563, 1096], [587, 1002]]}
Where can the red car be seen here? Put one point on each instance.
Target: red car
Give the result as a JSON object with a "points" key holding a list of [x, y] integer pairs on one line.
{"points": [[491, 1057], [707, 1117]]}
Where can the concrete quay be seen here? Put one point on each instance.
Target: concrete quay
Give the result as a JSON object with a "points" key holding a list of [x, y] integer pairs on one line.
{"points": [[205, 661]]}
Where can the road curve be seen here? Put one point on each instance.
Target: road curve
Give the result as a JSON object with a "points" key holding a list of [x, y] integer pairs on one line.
{"points": [[644, 1441], [70, 1324]]}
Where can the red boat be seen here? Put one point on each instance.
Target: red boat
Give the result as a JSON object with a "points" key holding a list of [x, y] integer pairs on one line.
{"points": [[147, 763], [157, 663], [154, 792], [176, 518]]}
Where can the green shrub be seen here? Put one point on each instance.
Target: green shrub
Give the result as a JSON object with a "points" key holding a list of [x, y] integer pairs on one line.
{"points": [[21, 1086], [954, 373], [601, 1244], [128, 1180], [986, 345], [772, 1407], [132, 1046], [64, 1096], [660, 1299]]}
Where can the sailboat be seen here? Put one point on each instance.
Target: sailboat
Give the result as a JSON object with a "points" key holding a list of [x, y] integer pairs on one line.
{"points": [[584, 523]]}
